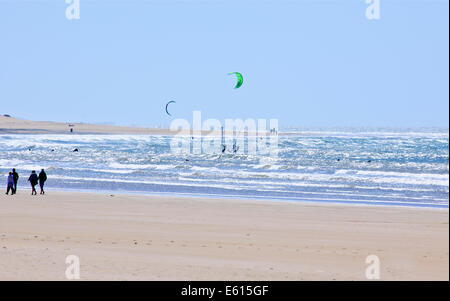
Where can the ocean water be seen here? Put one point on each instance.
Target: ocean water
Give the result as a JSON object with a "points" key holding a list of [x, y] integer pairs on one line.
{"points": [[408, 167]]}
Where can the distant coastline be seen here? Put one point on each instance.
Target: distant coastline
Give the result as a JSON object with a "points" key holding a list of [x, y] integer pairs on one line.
{"points": [[10, 125]]}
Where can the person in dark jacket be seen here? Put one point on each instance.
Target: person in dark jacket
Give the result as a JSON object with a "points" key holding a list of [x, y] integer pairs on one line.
{"points": [[33, 179], [42, 179], [16, 179]]}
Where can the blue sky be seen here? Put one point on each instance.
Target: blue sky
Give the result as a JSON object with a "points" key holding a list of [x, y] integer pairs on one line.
{"points": [[307, 63]]}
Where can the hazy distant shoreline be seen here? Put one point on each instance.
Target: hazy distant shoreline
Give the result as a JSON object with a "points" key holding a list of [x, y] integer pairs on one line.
{"points": [[10, 125]]}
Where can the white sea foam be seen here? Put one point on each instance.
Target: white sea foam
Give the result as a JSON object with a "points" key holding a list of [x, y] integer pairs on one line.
{"points": [[406, 166]]}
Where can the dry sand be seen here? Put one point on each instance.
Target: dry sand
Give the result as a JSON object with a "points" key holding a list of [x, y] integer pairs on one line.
{"points": [[10, 125], [136, 237], [19, 126]]}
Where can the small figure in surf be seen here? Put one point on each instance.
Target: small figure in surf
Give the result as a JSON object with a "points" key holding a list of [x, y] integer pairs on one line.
{"points": [[235, 147], [42, 179], [33, 179]]}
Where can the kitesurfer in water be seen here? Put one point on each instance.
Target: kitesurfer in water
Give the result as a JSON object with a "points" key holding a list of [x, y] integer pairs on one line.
{"points": [[235, 147]]}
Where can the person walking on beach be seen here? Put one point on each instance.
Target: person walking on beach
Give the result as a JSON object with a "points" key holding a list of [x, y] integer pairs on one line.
{"points": [[10, 183], [16, 179], [33, 179], [42, 179]]}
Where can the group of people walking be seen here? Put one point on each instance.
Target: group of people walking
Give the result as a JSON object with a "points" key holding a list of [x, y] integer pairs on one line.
{"points": [[34, 179]]}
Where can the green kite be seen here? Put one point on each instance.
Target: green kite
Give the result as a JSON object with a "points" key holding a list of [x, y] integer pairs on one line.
{"points": [[240, 79]]}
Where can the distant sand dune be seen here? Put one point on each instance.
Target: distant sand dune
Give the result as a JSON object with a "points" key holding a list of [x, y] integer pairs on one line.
{"points": [[12, 125]]}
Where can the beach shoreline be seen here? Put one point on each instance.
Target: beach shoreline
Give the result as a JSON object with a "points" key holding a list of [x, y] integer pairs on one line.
{"points": [[149, 237], [247, 198], [11, 125], [16, 126]]}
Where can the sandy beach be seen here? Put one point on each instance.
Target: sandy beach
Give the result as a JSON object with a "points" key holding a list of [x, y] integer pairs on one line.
{"points": [[138, 237], [11, 125]]}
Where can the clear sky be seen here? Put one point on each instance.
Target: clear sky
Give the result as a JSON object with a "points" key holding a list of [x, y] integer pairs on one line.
{"points": [[305, 62]]}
